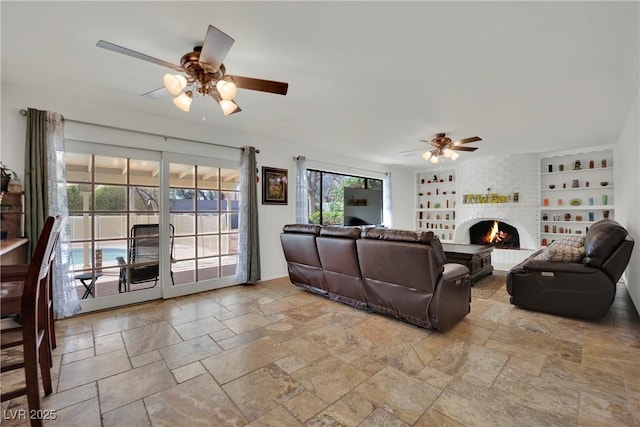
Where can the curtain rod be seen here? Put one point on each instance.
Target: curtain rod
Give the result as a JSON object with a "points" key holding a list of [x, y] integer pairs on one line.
{"points": [[23, 113], [347, 167]]}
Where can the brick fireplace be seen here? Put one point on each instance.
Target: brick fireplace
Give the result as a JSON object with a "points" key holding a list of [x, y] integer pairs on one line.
{"points": [[494, 233], [506, 174]]}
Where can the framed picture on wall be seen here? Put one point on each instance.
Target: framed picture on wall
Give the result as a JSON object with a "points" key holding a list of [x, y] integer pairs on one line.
{"points": [[275, 188]]}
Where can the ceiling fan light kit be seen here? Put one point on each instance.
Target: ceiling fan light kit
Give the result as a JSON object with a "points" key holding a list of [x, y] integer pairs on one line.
{"points": [[174, 83], [443, 146], [228, 106], [205, 73], [183, 101]]}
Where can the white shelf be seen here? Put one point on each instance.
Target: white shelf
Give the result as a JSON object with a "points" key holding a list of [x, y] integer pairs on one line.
{"points": [[595, 187], [550, 222], [592, 170], [578, 208]]}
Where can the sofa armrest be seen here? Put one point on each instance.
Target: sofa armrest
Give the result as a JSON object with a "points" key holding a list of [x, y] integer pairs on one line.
{"points": [[452, 297], [453, 272], [557, 267]]}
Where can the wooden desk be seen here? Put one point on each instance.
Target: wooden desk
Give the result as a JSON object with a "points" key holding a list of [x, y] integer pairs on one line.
{"points": [[13, 251]]}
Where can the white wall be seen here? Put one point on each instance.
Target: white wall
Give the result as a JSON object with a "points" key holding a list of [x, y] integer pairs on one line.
{"points": [[272, 153], [627, 194]]}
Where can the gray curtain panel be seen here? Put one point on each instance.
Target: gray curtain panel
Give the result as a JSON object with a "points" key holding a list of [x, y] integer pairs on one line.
{"points": [[36, 195], [302, 191], [248, 269], [46, 194]]}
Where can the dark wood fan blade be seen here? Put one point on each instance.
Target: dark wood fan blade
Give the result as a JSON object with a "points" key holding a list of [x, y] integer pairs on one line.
{"points": [[215, 47], [261, 85], [464, 148], [123, 50], [467, 140], [156, 93]]}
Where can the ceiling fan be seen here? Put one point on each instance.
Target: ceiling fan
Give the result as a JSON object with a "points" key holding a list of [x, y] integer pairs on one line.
{"points": [[443, 146], [205, 73]]}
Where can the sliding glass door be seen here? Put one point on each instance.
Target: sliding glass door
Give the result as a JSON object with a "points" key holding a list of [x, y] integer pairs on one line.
{"points": [[147, 225]]}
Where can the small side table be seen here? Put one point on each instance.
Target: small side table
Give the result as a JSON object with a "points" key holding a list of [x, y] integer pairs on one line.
{"points": [[88, 280]]}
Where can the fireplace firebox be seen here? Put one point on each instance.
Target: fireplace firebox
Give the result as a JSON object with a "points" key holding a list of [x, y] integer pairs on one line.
{"points": [[494, 233]]}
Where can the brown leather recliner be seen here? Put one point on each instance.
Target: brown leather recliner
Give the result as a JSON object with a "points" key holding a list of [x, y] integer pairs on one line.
{"points": [[394, 272], [301, 253], [581, 289], [405, 275], [339, 260]]}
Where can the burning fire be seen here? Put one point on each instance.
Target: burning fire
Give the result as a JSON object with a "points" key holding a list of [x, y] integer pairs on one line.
{"points": [[495, 235]]}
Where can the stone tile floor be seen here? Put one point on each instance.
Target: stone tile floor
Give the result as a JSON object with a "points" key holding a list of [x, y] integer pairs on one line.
{"points": [[272, 354]]}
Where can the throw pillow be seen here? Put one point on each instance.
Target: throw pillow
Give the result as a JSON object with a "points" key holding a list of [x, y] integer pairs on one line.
{"points": [[567, 249]]}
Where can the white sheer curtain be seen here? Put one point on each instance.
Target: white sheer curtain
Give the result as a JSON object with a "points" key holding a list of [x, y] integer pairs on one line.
{"points": [[248, 267], [387, 208], [302, 191], [65, 297]]}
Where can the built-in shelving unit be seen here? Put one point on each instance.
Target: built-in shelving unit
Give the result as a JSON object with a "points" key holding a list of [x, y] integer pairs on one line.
{"points": [[576, 190], [12, 215], [435, 203]]}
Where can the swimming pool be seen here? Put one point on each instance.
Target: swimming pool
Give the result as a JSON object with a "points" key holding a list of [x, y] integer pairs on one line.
{"points": [[108, 255]]}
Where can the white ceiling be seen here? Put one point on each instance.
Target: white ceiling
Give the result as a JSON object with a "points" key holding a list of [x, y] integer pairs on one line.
{"points": [[367, 79]]}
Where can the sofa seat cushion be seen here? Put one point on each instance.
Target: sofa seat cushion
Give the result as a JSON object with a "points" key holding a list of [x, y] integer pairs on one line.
{"points": [[566, 249]]}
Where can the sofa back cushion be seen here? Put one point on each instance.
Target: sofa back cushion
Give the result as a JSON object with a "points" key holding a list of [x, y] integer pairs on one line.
{"points": [[302, 228], [301, 253], [436, 246], [339, 259], [399, 256], [601, 241], [338, 231], [378, 233]]}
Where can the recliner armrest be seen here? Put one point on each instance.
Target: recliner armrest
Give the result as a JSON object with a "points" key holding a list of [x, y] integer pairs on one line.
{"points": [[453, 272], [557, 267]]}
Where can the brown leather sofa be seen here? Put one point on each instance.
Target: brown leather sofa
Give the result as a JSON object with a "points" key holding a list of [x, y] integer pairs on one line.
{"points": [[583, 289], [398, 273]]}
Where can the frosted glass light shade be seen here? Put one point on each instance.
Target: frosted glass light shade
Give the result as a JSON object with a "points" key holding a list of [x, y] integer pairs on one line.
{"points": [[227, 106], [183, 101], [174, 83], [434, 159], [454, 155], [426, 155], [448, 152], [226, 89]]}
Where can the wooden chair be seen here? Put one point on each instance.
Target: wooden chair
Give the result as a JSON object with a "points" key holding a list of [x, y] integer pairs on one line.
{"points": [[18, 273], [29, 299]]}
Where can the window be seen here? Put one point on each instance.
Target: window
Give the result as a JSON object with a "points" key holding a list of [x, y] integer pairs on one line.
{"points": [[337, 199]]}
